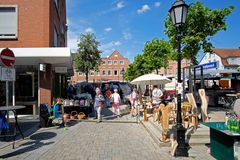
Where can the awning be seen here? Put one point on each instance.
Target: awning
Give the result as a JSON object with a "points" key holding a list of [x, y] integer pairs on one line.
{"points": [[213, 74], [57, 56]]}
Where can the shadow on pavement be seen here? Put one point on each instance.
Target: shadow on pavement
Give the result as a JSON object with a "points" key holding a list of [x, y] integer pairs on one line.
{"points": [[34, 143]]}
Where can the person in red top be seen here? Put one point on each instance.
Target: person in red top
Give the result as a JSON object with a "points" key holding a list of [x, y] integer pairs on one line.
{"points": [[108, 95]]}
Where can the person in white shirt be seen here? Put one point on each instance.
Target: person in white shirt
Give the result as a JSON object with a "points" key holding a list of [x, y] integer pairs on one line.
{"points": [[156, 100], [116, 102]]}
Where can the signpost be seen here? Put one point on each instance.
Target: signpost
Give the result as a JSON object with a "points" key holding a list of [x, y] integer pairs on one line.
{"points": [[8, 73]]}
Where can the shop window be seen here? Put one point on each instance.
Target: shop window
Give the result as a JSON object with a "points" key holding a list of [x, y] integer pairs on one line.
{"points": [[24, 85]]}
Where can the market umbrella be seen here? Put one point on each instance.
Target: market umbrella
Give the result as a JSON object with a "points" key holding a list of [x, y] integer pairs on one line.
{"points": [[153, 79]]}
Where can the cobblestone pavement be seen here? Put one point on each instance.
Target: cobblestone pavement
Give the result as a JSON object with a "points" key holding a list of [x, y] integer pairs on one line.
{"points": [[93, 141]]}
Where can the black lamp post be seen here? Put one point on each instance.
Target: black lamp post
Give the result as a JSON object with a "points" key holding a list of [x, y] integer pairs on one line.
{"points": [[123, 74], [178, 14]]}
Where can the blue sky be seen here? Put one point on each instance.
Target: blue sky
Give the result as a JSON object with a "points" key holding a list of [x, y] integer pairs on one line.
{"points": [[126, 25]]}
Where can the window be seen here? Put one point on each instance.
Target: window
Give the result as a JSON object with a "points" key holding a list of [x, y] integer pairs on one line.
{"points": [[103, 72], [115, 72], [104, 62], [98, 73], [122, 62], [122, 71], [109, 62], [91, 73], [115, 62], [80, 73], [8, 22], [109, 72]]}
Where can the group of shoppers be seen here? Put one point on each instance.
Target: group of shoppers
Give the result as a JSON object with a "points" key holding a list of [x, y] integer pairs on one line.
{"points": [[111, 99]]}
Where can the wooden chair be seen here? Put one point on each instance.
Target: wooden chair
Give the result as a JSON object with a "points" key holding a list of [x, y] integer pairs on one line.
{"points": [[193, 114], [204, 105]]}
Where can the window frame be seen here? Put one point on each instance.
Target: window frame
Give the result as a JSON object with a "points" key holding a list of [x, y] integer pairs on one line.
{"points": [[114, 72], [16, 29], [109, 71], [122, 62], [104, 72]]}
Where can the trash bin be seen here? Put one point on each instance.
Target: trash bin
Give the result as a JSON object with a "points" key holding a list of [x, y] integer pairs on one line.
{"points": [[44, 115]]}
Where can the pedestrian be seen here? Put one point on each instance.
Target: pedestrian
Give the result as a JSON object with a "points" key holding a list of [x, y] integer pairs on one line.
{"points": [[134, 101], [147, 91], [116, 102], [108, 95], [98, 104], [156, 100]]}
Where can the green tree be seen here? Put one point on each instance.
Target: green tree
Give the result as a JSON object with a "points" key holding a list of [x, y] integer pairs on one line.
{"points": [[202, 23], [136, 69], [88, 55], [157, 53]]}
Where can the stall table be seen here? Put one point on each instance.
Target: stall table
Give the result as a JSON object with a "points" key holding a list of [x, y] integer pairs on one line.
{"points": [[5, 110], [222, 140]]}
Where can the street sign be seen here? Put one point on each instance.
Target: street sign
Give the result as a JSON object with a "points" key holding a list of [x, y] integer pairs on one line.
{"points": [[7, 57], [8, 74]]}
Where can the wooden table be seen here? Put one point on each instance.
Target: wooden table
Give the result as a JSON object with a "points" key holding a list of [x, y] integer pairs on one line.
{"points": [[5, 110]]}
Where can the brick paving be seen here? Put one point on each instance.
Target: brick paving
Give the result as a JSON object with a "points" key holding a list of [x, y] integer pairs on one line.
{"points": [[96, 141]]}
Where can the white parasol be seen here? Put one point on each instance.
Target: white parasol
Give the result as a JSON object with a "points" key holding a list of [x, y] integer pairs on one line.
{"points": [[153, 79]]}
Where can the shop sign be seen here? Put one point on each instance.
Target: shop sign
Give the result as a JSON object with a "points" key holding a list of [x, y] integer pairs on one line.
{"points": [[60, 69], [207, 66]]}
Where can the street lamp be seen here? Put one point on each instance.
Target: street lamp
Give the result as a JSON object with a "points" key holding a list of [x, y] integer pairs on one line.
{"points": [[123, 74], [178, 14]]}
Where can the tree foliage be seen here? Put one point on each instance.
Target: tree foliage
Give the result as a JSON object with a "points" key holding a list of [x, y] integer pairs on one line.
{"points": [[155, 56], [88, 55], [136, 69], [157, 53], [202, 23]]}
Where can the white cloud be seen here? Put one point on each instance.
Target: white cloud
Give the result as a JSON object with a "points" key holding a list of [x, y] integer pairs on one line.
{"points": [[72, 41], [120, 5], [157, 4], [127, 35], [143, 9], [89, 30], [110, 46], [108, 29]]}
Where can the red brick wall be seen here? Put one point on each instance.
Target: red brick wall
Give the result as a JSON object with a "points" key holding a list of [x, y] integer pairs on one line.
{"points": [[46, 85], [33, 24], [36, 19]]}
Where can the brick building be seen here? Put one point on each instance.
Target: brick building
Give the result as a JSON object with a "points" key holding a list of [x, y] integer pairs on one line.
{"points": [[36, 31], [112, 69]]}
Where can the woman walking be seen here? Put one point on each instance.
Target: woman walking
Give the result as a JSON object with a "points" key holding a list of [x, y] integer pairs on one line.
{"points": [[134, 101], [116, 102], [98, 104]]}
